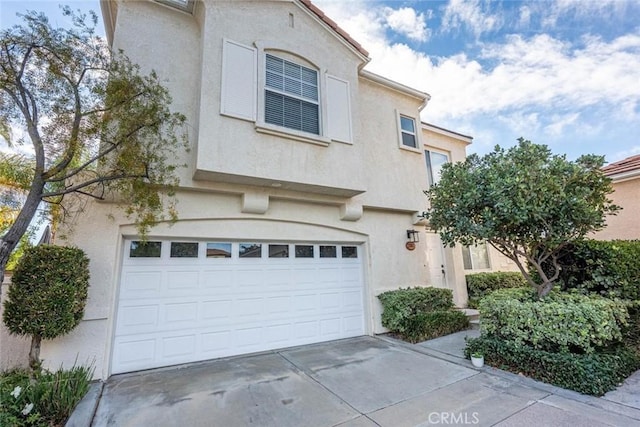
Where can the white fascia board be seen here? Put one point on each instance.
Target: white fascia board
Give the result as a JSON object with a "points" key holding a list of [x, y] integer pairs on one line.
{"points": [[442, 131]]}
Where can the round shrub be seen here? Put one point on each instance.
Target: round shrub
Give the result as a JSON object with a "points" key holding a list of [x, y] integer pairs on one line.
{"points": [[561, 322], [48, 292]]}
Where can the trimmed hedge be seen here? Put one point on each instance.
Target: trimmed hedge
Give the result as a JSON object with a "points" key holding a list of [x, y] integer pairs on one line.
{"points": [[434, 324], [48, 292], [593, 373], [609, 268], [562, 322], [418, 314], [481, 284], [401, 304]]}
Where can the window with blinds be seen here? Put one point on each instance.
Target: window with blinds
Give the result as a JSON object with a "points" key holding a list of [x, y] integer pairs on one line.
{"points": [[291, 95]]}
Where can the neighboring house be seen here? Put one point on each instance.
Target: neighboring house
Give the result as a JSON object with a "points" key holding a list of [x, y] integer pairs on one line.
{"points": [[304, 183], [625, 175]]}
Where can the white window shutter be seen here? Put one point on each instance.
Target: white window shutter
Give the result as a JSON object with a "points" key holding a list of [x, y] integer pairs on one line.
{"points": [[338, 110], [239, 81]]}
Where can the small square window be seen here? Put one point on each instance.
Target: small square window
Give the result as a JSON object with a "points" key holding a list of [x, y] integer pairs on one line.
{"points": [[250, 250], [184, 250], [278, 251], [408, 132], [145, 249], [349, 252], [304, 251], [218, 250], [328, 252]]}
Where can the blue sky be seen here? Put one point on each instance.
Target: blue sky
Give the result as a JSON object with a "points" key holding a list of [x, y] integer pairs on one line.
{"points": [[565, 73]]}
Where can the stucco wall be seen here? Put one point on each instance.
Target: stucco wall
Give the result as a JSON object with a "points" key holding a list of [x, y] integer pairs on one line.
{"points": [[625, 224], [14, 350]]}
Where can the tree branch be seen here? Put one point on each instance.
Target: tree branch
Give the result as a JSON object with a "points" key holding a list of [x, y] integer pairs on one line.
{"points": [[101, 179]]}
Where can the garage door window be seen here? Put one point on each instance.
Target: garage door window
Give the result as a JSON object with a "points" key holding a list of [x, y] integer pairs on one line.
{"points": [[184, 250], [218, 250], [278, 251], [145, 249], [250, 250], [328, 252], [304, 251], [349, 252]]}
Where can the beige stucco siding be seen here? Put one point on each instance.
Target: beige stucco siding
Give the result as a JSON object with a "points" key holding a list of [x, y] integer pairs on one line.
{"points": [[625, 224]]}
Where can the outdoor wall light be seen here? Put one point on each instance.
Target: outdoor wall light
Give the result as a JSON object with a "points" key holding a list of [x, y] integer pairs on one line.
{"points": [[413, 236]]}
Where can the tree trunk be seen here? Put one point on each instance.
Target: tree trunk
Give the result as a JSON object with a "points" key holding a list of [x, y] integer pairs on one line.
{"points": [[544, 289], [34, 354], [12, 237]]}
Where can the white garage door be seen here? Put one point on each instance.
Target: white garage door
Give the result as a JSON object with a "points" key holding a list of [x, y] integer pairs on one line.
{"points": [[183, 301]]}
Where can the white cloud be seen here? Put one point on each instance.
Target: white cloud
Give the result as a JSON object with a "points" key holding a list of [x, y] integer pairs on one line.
{"points": [[603, 9], [560, 122], [469, 13], [537, 78], [525, 16], [521, 123], [409, 23]]}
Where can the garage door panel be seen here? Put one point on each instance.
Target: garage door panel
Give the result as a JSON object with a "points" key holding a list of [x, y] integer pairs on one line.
{"points": [[249, 278], [278, 334], [331, 300], [179, 346], [330, 327], [140, 284], [216, 342], [135, 353], [278, 304], [353, 325], [182, 280], [222, 278], [352, 300], [216, 309], [181, 312], [178, 310], [308, 329], [138, 318]]}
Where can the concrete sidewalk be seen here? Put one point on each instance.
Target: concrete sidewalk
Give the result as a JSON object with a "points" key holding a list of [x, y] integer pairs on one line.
{"points": [[365, 381]]}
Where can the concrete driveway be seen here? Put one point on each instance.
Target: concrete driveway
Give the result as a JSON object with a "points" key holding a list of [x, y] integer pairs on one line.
{"points": [[363, 381]]}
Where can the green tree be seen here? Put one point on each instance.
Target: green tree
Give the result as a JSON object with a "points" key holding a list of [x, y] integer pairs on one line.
{"points": [[97, 126], [525, 201], [48, 295]]}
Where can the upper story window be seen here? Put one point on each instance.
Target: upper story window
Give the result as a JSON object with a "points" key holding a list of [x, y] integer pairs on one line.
{"points": [[291, 95], [435, 161], [408, 132], [282, 96]]}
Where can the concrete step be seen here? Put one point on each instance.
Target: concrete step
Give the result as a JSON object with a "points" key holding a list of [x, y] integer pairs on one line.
{"points": [[475, 324], [471, 313]]}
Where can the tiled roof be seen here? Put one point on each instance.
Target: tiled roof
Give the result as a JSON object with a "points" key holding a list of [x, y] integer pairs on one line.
{"points": [[626, 165], [320, 14]]}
